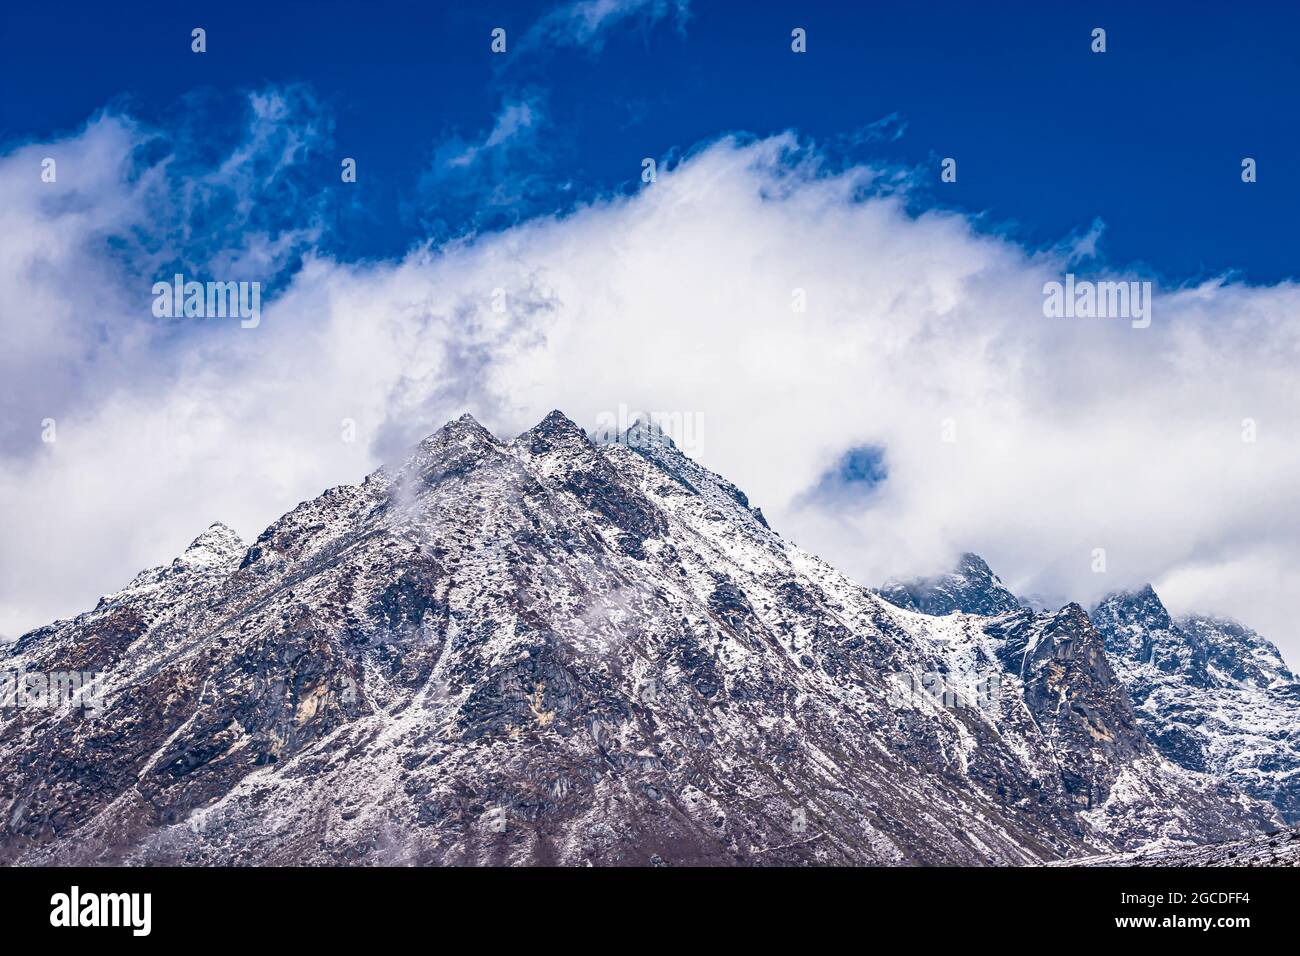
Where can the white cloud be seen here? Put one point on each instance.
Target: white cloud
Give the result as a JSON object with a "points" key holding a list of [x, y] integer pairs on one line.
{"points": [[584, 22], [515, 121], [1071, 434]]}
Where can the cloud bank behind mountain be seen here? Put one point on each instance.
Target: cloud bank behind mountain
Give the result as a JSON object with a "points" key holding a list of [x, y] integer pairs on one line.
{"points": [[793, 308]]}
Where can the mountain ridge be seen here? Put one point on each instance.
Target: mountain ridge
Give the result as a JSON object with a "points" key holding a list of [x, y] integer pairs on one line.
{"points": [[1210, 694], [552, 651]]}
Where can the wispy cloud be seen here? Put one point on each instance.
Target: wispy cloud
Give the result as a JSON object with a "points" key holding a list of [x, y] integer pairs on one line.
{"points": [[517, 121], [586, 23], [506, 173], [496, 178]]}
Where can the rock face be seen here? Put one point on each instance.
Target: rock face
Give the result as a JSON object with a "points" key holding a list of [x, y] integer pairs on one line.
{"points": [[549, 651], [1140, 633], [1058, 665], [1212, 695], [970, 587]]}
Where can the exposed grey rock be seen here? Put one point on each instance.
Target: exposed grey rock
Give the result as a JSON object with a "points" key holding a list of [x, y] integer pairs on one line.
{"points": [[971, 587], [1212, 695]]}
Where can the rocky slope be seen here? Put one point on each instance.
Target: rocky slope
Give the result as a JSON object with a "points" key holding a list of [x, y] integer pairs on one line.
{"points": [[971, 587], [1274, 848], [1055, 665], [1212, 695], [549, 651]]}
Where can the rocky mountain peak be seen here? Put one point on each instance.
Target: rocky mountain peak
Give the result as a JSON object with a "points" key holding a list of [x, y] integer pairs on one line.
{"points": [[1211, 695], [555, 432], [1237, 654], [218, 545], [647, 439], [560, 454], [1139, 630], [552, 652], [451, 450], [1140, 604], [971, 587], [463, 430], [646, 433]]}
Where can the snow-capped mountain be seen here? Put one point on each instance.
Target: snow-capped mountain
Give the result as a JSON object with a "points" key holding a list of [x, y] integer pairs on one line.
{"points": [[1057, 664], [971, 587], [1212, 695], [552, 651]]}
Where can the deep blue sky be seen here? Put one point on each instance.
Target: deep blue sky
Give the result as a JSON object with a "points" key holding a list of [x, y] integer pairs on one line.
{"points": [[1049, 137]]}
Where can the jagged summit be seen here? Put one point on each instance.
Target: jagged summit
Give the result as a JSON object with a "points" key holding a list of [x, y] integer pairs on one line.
{"points": [[1134, 601], [971, 587], [451, 449], [648, 440], [1211, 695], [460, 429], [643, 433], [218, 544], [556, 419], [554, 431], [646, 433], [1140, 630], [1237, 653]]}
